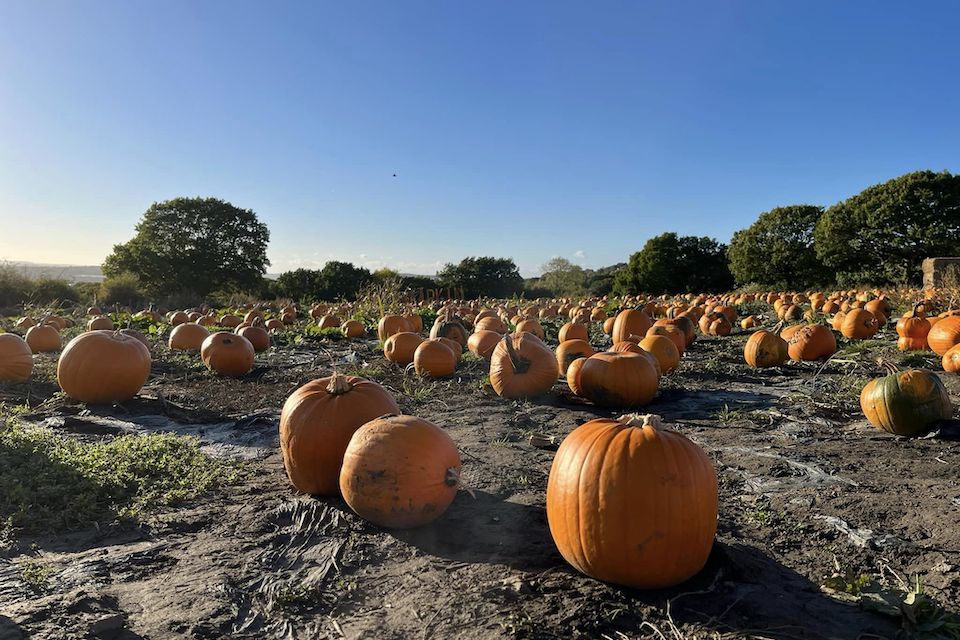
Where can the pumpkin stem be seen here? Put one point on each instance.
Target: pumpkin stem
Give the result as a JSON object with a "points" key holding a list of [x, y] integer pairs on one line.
{"points": [[917, 312], [520, 364], [339, 384], [887, 365], [645, 420]]}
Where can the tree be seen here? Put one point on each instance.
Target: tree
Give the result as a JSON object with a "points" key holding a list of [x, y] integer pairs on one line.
{"points": [[194, 244], [881, 235], [490, 277], [300, 284], [563, 278], [342, 280], [669, 263], [777, 250]]}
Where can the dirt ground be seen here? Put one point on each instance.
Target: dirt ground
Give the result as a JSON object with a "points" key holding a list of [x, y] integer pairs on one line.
{"points": [[806, 486]]}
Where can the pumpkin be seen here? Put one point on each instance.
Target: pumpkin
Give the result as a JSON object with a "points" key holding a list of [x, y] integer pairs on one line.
{"points": [[482, 342], [256, 334], [683, 323], [663, 349], [94, 311], [531, 326], [25, 323], [632, 503], [951, 360], [400, 347], [631, 324], [100, 323], [573, 331], [353, 328], [749, 322], [328, 322], [906, 403], [944, 334], [227, 354], [522, 366], [100, 367], [435, 359], [230, 321], [400, 472], [812, 342], [765, 349], [453, 345], [43, 338], [136, 335], [450, 327], [618, 379], [188, 336], [913, 329], [573, 375], [490, 323], [317, 422], [672, 332], [16, 359], [570, 350], [275, 324], [859, 324], [608, 325], [415, 320]]}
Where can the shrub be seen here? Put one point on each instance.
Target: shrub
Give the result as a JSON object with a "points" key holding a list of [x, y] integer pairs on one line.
{"points": [[121, 289]]}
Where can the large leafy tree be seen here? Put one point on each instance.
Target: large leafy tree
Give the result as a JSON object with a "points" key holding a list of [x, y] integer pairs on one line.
{"points": [[300, 284], [881, 235], [669, 263], [777, 250], [335, 281], [194, 245], [493, 277], [563, 278]]}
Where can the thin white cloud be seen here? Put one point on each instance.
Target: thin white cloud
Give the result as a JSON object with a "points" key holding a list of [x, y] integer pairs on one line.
{"points": [[580, 254]]}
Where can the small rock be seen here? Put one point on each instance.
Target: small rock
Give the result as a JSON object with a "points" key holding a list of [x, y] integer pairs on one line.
{"points": [[517, 584]]}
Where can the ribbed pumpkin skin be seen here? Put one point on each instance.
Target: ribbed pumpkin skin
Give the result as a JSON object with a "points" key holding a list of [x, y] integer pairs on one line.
{"points": [[400, 472], [450, 328], [188, 336], [531, 326], [765, 349], [400, 347], [631, 324], [570, 350], [608, 325], [43, 338], [573, 331], [632, 506], [573, 376], [663, 349], [16, 359], [906, 403], [316, 425], [812, 342], [532, 374], [390, 325], [951, 360], [859, 324], [618, 379], [673, 332], [944, 334], [257, 336], [228, 354], [101, 367], [490, 323], [435, 359], [415, 320], [482, 342]]}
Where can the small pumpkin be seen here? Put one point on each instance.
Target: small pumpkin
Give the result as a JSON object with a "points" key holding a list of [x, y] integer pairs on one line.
{"points": [[229, 321], [618, 379], [490, 323], [353, 328], [227, 354], [391, 324], [811, 342], [257, 334], [16, 359], [482, 342], [672, 332], [522, 366], [859, 324], [328, 322], [435, 359], [663, 349], [400, 472], [573, 376], [632, 502], [913, 329], [101, 367], [570, 350], [100, 323], [765, 349], [43, 338], [188, 336], [608, 325], [317, 422], [573, 331], [415, 320], [906, 403], [951, 360], [450, 327], [400, 347], [531, 326]]}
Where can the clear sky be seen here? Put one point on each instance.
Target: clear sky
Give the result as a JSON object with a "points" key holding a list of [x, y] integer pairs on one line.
{"points": [[519, 129]]}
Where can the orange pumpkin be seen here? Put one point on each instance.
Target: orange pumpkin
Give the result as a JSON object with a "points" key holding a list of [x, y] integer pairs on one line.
{"points": [[672, 332], [632, 503], [188, 336], [490, 323], [859, 324], [573, 331], [531, 326], [415, 320], [400, 347], [435, 359], [257, 335], [765, 349], [317, 422], [353, 328], [328, 322], [811, 342], [391, 324], [632, 325], [663, 349], [951, 360], [227, 354], [944, 334], [229, 321], [482, 342], [16, 359], [608, 325], [400, 472], [101, 367], [522, 366], [913, 329], [570, 350], [43, 338], [100, 323], [618, 379], [450, 327]]}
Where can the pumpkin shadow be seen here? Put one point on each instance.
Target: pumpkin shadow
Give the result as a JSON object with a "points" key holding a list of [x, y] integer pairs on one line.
{"points": [[488, 529], [10, 630]]}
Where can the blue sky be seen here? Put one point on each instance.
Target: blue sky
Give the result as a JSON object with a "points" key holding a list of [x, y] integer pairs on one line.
{"points": [[526, 130]]}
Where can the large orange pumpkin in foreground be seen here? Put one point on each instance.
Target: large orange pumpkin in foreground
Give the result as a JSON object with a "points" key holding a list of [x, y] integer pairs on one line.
{"points": [[632, 503], [400, 472], [100, 367], [16, 359], [317, 422], [522, 366], [907, 403]]}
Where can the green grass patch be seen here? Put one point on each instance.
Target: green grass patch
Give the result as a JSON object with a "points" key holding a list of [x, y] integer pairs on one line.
{"points": [[51, 482]]}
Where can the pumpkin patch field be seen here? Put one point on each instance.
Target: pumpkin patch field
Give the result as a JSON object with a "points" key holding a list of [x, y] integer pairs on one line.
{"points": [[756, 465]]}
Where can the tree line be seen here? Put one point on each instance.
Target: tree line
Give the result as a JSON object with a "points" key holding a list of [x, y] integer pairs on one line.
{"points": [[207, 248]]}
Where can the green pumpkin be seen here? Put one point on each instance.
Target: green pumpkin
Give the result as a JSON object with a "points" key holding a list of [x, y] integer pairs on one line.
{"points": [[906, 403]]}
